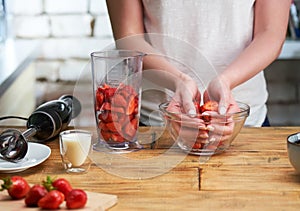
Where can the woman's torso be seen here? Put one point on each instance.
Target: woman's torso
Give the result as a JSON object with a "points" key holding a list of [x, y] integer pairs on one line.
{"points": [[215, 32]]}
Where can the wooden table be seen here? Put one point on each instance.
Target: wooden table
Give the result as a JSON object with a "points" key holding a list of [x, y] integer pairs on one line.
{"points": [[254, 173]]}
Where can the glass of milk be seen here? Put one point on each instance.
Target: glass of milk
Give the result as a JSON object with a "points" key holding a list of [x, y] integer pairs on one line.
{"points": [[75, 147]]}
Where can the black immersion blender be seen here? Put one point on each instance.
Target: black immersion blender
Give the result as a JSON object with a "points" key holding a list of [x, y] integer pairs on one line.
{"points": [[47, 121]]}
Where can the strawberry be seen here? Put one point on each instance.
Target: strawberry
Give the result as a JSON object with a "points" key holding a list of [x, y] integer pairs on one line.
{"points": [[114, 127], [62, 185], [127, 90], [102, 126], [209, 106], [117, 137], [132, 105], [105, 106], [99, 99], [16, 186], [106, 135], [118, 107], [109, 93], [118, 117], [52, 200], [131, 128], [197, 145], [76, 199], [35, 193], [105, 116], [119, 100]]}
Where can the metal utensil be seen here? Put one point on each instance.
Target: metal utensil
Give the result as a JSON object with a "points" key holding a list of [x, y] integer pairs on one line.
{"points": [[13, 145], [44, 123]]}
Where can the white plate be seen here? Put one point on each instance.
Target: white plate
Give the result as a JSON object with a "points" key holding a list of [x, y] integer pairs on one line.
{"points": [[36, 154]]}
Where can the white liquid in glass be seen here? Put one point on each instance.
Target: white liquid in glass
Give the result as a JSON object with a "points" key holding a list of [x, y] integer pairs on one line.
{"points": [[77, 147]]}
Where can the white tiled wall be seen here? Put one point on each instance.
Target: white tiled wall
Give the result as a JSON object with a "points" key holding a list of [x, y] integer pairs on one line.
{"points": [[66, 6], [69, 30]]}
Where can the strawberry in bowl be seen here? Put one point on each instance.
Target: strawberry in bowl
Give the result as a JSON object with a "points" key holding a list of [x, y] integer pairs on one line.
{"points": [[208, 132]]}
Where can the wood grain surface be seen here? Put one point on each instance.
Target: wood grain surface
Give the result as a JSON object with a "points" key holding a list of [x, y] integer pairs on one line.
{"points": [[254, 173]]}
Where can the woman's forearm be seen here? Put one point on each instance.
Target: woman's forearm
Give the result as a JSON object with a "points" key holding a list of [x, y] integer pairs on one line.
{"points": [[126, 17], [263, 50], [270, 24]]}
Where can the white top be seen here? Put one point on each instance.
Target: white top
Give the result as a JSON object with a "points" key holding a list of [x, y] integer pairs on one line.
{"points": [[205, 36]]}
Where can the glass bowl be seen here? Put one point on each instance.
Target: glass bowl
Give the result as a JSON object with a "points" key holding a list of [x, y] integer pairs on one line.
{"points": [[208, 133]]}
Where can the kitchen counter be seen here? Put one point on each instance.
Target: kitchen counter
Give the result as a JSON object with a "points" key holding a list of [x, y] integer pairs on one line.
{"points": [[254, 174]]}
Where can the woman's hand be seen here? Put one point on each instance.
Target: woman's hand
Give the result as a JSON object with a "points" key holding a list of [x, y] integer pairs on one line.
{"points": [[219, 90], [193, 131], [222, 123], [186, 93]]}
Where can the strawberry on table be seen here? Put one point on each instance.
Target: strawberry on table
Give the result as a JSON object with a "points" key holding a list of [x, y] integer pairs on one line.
{"points": [[76, 199], [35, 193], [60, 184], [52, 200], [16, 186]]}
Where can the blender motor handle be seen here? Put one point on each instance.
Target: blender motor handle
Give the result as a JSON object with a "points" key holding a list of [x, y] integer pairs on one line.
{"points": [[29, 132]]}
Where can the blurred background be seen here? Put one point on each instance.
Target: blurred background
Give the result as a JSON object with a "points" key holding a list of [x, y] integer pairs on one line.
{"points": [[45, 44]]}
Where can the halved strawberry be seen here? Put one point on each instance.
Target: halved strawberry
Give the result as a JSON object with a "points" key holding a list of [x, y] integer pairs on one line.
{"points": [[132, 105], [99, 100], [197, 146], [127, 91], [106, 135], [119, 101], [209, 106], [131, 128], [117, 137], [117, 109], [109, 93], [106, 106], [114, 127], [102, 126], [105, 116]]}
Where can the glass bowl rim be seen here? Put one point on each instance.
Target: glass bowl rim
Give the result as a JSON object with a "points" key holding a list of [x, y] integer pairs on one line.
{"points": [[245, 110], [117, 54]]}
